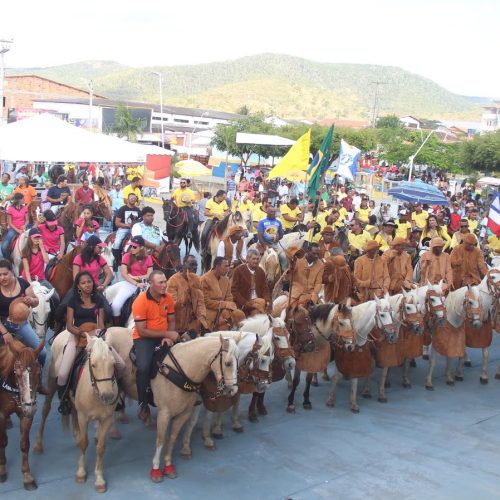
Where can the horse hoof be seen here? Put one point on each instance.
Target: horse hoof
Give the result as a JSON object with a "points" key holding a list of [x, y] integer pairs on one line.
{"points": [[413, 363], [483, 381], [355, 410], [406, 385], [450, 382], [262, 411], [101, 488], [186, 455], [31, 486], [330, 404], [307, 406], [253, 417], [459, 378], [210, 446], [429, 387], [3, 478], [366, 395], [387, 384], [314, 383], [217, 435], [325, 377], [291, 408], [382, 400], [156, 475], [81, 479], [38, 449], [468, 364], [238, 430], [425, 357], [169, 471], [115, 435]]}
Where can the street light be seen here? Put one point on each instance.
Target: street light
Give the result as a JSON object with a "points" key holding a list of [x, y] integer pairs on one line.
{"points": [[160, 78], [4, 48], [418, 151], [205, 113], [90, 85]]}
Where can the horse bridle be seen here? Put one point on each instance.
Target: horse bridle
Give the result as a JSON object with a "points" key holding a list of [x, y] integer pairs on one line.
{"points": [[433, 309], [493, 287], [282, 352], [94, 381], [470, 311], [170, 217], [17, 395], [343, 334], [410, 319], [221, 384], [385, 328], [249, 371]]}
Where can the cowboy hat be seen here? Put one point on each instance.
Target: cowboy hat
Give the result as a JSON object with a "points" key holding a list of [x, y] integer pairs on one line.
{"points": [[371, 245], [398, 240], [437, 242], [294, 251], [328, 229], [469, 238]]}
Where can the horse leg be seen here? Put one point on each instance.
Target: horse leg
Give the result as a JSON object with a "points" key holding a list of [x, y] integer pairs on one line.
{"points": [[325, 375], [176, 426], [354, 395], [459, 371], [314, 380], [291, 396], [105, 424], [381, 387], [260, 403], [483, 378], [252, 413], [38, 448], [188, 432], [217, 428], [331, 393], [307, 403], [366, 388], [449, 378], [289, 378], [161, 428], [432, 365], [3, 444], [235, 415], [83, 442], [425, 352], [28, 480], [406, 373], [467, 361]]}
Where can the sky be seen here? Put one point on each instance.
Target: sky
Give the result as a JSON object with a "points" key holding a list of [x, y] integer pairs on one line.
{"points": [[453, 42]]}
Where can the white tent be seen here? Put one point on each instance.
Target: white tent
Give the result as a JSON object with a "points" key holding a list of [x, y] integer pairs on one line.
{"points": [[263, 139], [49, 139]]}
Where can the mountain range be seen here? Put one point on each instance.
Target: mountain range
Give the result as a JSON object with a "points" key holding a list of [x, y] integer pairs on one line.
{"points": [[286, 86]]}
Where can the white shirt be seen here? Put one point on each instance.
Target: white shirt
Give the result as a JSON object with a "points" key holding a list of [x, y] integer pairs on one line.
{"points": [[282, 190], [253, 293], [221, 250]]}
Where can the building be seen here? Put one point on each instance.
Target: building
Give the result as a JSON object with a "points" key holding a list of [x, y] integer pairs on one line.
{"points": [[490, 118], [355, 124], [411, 122]]}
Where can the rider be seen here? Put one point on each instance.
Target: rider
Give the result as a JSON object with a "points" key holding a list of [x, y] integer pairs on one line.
{"points": [[52, 235], [84, 306], [467, 263], [147, 230], [133, 188], [436, 266], [59, 195], [154, 317], [17, 220], [269, 232], [233, 247], [135, 269], [12, 288], [83, 222], [184, 199], [399, 266], [327, 242], [290, 215], [125, 217], [384, 237], [337, 277], [34, 257], [84, 195], [457, 237], [215, 209]]}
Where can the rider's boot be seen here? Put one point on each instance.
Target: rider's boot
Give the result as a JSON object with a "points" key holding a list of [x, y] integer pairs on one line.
{"points": [[116, 321], [64, 401], [117, 258]]}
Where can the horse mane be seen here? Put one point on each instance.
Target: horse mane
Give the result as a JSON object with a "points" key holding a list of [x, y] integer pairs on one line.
{"points": [[99, 348], [265, 348], [7, 358], [221, 226], [258, 324], [320, 312]]}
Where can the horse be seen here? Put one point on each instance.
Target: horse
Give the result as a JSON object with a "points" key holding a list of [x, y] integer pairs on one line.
{"points": [[353, 357], [39, 315], [219, 231], [67, 216], [20, 376], [17, 247], [102, 208], [168, 259], [178, 228], [270, 263], [33, 210], [449, 339], [192, 361], [61, 275]]}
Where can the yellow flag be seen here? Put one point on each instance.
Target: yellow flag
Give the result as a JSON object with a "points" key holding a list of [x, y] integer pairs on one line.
{"points": [[297, 158]]}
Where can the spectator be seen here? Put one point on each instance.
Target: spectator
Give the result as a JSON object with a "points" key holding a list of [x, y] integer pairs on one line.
{"points": [[6, 188], [59, 194], [28, 192], [84, 195]]}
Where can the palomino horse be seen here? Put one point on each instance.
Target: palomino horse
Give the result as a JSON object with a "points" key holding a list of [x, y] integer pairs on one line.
{"points": [[20, 376], [39, 314], [95, 398], [191, 361], [178, 228], [449, 339], [218, 232], [353, 357]]}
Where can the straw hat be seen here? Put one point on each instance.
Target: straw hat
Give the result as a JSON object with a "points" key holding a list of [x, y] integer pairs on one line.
{"points": [[294, 251], [398, 240], [371, 245], [437, 242], [469, 238], [328, 229]]}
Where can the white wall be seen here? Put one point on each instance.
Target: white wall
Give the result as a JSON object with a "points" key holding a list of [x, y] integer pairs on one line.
{"points": [[74, 111]]}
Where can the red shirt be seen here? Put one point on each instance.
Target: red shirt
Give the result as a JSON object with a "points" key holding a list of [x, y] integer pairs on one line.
{"points": [[51, 239], [84, 197], [18, 216]]}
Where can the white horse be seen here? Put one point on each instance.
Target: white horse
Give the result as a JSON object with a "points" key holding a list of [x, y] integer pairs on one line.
{"points": [[16, 254], [449, 339], [39, 314]]}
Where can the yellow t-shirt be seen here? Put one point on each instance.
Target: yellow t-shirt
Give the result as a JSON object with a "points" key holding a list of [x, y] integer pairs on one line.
{"points": [[358, 241], [342, 214], [257, 215], [384, 245], [216, 209], [472, 224], [187, 194], [402, 229], [363, 214], [286, 210], [246, 207], [420, 219], [128, 189], [494, 244]]}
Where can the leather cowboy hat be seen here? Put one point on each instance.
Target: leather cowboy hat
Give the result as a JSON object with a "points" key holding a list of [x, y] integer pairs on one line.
{"points": [[294, 251], [398, 240], [469, 238], [328, 229], [18, 311], [437, 242], [338, 260], [371, 245]]}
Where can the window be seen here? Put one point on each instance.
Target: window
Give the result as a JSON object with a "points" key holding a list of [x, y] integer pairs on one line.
{"points": [[179, 120], [197, 122]]}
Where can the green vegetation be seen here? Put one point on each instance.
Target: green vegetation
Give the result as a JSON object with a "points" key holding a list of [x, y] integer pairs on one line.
{"points": [[126, 125], [286, 86]]}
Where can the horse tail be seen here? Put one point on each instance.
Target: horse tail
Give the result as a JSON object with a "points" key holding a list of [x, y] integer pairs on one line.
{"points": [[206, 260], [196, 239], [65, 422]]}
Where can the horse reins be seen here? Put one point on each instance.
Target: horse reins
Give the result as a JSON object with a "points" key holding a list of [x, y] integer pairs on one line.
{"points": [[94, 381]]}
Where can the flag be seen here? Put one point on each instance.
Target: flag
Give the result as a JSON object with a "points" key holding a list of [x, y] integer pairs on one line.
{"points": [[297, 158], [494, 215], [348, 160], [319, 164]]}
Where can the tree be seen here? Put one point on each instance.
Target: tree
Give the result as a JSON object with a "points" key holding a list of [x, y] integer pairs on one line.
{"points": [[244, 110], [389, 121], [126, 125], [482, 153]]}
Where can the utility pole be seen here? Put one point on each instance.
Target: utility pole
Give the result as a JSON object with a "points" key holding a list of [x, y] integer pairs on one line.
{"points": [[376, 102], [4, 48], [160, 81], [90, 85]]}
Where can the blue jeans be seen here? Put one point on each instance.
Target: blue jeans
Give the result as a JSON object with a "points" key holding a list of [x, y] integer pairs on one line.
{"points": [[121, 234], [27, 336], [6, 241]]}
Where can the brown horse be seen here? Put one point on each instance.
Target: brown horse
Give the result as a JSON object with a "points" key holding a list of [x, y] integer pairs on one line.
{"points": [[67, 217], [168, 259], [20, 377], [33, 205], [61, 277]]}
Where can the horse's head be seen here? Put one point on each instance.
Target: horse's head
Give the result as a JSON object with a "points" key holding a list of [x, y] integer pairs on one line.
{"points": [[301, 328], [107, 253], [170, 257], [103, 209], [384, 320], [225, 367], [40, 313], [281, 342], [493, 282], [410, 312], [27, 373], [434, 304], [472, 307], [343, 327], [102, 370]]}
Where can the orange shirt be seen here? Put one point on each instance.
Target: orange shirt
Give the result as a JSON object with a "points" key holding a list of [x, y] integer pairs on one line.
{"points": [[146, 308], [29, 192]]}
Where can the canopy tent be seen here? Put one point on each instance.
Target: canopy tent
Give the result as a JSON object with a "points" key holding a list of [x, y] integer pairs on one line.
{"points": [[490, 181], [45, 138], [192, 168], [262, 139]]}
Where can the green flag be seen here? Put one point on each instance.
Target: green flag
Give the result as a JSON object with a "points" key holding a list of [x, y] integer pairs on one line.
{"points": [[319, 164]]}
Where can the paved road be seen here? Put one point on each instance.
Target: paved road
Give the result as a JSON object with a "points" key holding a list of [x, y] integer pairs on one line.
{"points": [[441, 444]]}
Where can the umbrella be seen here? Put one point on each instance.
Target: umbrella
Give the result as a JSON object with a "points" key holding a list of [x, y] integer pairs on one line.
{"points": [[418, 192], [192, 168]]}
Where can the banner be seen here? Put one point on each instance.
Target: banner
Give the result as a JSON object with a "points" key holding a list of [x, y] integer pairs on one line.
{"points": [[494, 215], [348, 160], [319, 164], [297, 158]]}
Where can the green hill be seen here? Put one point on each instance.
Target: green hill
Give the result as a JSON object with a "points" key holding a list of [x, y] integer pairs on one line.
{"points": [[287, 86]]}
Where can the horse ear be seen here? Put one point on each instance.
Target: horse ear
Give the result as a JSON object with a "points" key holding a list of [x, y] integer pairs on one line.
{"points": [[348, 302], [387, 296], [283, 315], [403, 291]]}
